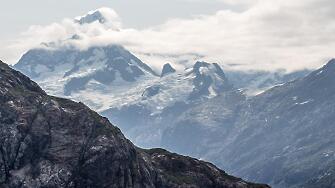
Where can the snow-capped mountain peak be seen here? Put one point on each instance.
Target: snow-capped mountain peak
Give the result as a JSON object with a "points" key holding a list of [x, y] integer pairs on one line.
{"points": [[67, 71], [92, 17], [204, 68], [104, 15], [110, 76], [208, 80], [167, 69]]}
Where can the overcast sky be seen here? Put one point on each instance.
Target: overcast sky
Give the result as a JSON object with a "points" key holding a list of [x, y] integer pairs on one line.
{"points": [[261, 34], [18, 15]]}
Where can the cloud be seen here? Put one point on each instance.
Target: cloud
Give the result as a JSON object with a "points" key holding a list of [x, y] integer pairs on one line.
{"points": [[239, 2], [230, 2], [267, 35]]}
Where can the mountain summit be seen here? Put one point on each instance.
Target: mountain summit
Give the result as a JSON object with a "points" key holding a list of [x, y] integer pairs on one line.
{"points": [[167, 69], [104, 16], [92, 17], [52, 142], [209, 80]]}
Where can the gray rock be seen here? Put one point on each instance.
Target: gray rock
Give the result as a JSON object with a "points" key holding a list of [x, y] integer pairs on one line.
{"points": [[151, 91], [205, 81], [167, 69]]}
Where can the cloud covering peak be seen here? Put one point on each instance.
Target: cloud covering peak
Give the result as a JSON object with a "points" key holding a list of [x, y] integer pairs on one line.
{"points": [[266, 35]]}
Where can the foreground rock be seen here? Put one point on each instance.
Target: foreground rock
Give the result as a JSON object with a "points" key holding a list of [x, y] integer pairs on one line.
{"points": [[52, 142]]}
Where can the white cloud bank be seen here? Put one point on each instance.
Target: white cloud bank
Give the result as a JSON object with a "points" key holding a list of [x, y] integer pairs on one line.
{"points": [[267, 35]]}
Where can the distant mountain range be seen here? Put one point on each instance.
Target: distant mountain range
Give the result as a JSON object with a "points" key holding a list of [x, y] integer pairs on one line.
{"points": [[111, 80], [272, 127], [47, 141], [283, 136]]}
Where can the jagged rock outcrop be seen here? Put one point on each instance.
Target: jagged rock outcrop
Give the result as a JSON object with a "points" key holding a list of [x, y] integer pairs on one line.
{"points": [[209, 79], [47, 141], [167, 69]]}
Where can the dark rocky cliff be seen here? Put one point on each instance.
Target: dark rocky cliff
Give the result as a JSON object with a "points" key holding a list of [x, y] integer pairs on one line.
{"points": [[47, 141]]}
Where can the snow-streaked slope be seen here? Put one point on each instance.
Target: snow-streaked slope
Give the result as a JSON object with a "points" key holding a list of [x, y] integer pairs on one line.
{"points": [[284, 136], [114, 82], [109, 77], [149, 109], [97, 71], [256, 82], [120, 86]]}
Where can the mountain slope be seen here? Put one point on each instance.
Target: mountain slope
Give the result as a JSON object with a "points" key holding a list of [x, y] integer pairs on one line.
{"points": [[163, 100], [255, 82], [295, 126], [283, 137], [70, 72], [53, 142]]}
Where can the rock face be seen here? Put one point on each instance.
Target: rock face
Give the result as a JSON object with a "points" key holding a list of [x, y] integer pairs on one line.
{"points": [[209, 79], [167, 69], [53, 142]]}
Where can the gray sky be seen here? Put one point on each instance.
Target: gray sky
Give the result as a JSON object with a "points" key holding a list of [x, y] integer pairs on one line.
{"points": [[18, 15], [256, 34]]}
